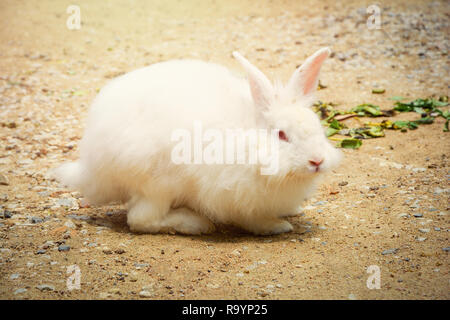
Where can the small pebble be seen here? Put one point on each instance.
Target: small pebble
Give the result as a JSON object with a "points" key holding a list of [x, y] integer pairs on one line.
{"points": [[3, 180], [389, 251], [145, 294], [133, 276], [45, 287], [76, 217], [20, 290], [63, 247], [236, 252], [36, 220], [69, 224], [104, 295], [438, 190], [7, 214]]}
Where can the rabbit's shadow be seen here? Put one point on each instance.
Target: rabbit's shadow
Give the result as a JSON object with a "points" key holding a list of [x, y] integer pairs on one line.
{"points": [[116, 220]]}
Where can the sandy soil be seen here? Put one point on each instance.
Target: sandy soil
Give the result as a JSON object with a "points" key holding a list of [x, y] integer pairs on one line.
{"points": [[387, 205]]}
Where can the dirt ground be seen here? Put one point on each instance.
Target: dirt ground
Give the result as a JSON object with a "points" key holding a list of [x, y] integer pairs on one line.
{"points": [[387, 205]]}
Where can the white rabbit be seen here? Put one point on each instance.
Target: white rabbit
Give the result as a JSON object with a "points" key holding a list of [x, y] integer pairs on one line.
{"points": [[125, 154]]}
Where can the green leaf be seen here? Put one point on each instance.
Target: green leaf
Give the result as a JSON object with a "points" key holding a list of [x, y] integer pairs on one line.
{"points": [[426, 120], [331, 131], [349, 143], [368, 132], [419, 110], [378, 91], [402, 107], [336, 125], [419, 105], [375, 132], [405, 124], [440, 103], [367, 109]]}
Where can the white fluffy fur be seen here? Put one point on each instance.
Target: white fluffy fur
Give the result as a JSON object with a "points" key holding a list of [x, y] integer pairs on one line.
{"points": [[126, 148]]}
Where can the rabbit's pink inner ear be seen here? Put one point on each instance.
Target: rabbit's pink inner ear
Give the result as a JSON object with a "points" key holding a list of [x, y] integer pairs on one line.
{"points": [[311, 73], [260, 86], [260, 93], [306, 77]]}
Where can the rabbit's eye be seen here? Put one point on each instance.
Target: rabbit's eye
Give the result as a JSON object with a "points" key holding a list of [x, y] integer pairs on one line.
{"points": [[282, 135]]}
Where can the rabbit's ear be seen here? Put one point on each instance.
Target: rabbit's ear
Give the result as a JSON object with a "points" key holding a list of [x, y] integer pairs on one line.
{"points": [[305, 79], [260, 86]]}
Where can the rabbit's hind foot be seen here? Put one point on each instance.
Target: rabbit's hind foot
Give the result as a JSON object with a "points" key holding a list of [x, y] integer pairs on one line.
{"points": [[268, 227], [146, 216]]}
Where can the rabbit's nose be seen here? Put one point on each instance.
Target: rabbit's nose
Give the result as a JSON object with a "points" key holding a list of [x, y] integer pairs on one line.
{"points": [[316, 162]]}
